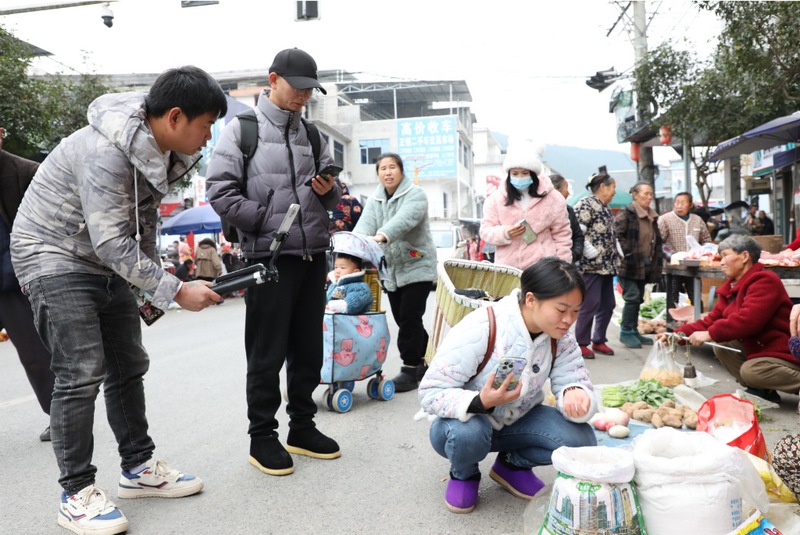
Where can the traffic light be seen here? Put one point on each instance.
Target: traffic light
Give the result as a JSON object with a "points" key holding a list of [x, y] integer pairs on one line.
{"points": [[603, 79]]}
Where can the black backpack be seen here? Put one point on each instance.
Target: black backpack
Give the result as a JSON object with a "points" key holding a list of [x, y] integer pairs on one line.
{"points": [[249, 130]]}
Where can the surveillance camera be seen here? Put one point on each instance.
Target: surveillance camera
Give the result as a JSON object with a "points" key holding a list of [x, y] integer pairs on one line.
{"points": [[107, 15]]}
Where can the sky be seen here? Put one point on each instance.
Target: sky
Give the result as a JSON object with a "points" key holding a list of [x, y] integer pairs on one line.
{"points": [[524, 61]]}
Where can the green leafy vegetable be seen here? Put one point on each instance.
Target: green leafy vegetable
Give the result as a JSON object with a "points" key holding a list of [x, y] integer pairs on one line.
{"points": [[648, 390], [652, 309]]}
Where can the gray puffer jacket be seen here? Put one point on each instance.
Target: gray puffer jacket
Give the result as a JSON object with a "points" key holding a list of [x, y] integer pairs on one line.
{"points": [[80, 212], [276, 178]]}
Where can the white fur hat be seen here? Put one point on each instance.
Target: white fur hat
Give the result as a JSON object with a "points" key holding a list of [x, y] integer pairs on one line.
{"points": [[524, 154]]}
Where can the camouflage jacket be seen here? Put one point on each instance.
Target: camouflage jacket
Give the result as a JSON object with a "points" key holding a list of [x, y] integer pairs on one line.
{"points": [[80, 213]]}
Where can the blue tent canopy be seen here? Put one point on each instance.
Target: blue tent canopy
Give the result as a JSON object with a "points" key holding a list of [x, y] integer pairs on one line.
{"points": [[200, 219], [775, 132]]}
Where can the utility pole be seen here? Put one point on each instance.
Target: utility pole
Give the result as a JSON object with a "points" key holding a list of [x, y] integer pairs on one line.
{"points": [[646, 167]]}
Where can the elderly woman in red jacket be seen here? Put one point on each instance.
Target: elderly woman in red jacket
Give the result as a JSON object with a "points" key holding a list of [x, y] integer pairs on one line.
{"points": [[751, 315]]}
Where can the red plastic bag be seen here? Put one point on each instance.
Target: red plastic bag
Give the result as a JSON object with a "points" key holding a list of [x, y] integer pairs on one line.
{"points": [[733, 421]]}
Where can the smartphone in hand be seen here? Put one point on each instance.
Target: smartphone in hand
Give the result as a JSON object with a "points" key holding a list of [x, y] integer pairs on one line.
{"points": [[506, 367], [329, 170], [529, 236]]}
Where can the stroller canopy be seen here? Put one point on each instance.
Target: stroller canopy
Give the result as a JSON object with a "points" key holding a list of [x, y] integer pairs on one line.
{"points": [[360, 246]]}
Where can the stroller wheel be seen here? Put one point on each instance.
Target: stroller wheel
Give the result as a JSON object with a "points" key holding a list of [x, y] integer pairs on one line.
{"points": [[342, 400], [327, 398], [347, 385], [373, 388], [386, 389]]}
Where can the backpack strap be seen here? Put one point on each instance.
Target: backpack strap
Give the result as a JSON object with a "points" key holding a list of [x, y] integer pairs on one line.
{"points": [[248, 122], [490, 344], [314, 139]]}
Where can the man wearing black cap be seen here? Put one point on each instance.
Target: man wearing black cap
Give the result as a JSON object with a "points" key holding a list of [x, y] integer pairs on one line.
{"points": [[283, 318]]}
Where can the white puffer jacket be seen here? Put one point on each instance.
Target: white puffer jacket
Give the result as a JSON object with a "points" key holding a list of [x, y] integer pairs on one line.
{"points": [[447, 388]]}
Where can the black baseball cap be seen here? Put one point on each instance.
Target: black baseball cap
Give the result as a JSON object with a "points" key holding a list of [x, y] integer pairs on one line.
{"points": [[298, 68]]}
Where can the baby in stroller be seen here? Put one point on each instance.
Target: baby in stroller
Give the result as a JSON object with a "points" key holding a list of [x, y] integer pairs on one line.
{"points": [[355, 333], [348, 293]]}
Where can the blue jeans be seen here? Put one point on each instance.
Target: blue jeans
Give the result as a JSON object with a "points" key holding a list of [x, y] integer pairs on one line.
{"points": [[91, 325], [530, 441]]}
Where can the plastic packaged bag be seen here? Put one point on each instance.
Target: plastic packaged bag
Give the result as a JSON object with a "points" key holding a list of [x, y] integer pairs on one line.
{"points": [[756, 525], [661, 366], [593, 493], [733, 421], [691, 483], [775, 487]]}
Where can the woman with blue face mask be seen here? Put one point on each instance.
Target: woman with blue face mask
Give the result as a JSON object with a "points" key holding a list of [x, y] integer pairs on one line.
{"points": [[526, 219]]}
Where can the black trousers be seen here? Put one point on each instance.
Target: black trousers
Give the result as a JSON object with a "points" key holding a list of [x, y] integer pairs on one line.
{"points": [[408, 306], [283, 323], [17, 317]]}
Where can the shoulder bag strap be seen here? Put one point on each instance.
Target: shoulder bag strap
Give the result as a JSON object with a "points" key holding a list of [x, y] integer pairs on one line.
{"points": [[490, 345]]}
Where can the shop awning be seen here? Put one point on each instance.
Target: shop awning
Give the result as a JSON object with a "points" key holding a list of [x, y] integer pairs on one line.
{"points": [[787, 157], [776, 132]]}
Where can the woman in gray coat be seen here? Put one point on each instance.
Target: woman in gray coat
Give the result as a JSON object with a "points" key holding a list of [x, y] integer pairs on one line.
{"points": [[396, 216]]}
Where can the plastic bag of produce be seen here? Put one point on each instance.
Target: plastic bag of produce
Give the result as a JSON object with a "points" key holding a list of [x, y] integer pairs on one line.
{"points": [[733, 421], [593, 493], [690, 482], [661, 366]]}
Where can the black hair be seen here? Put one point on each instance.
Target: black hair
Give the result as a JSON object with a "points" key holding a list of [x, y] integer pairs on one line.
{"points": [[513, 194], [188, 262], [598, 179], [396, 157], [189, 88], [551, 277], [356, 260], [685, 194]]}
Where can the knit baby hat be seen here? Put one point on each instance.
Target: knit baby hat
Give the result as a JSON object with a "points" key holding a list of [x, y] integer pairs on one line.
{"points": [[524, 154]]}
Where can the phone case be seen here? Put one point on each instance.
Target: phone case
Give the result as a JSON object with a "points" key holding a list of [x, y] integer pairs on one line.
{"points": [[506, 366], [150, 313], [529, 236]]}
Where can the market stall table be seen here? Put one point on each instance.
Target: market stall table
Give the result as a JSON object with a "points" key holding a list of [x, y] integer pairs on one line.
{"points": [[698, 273]]}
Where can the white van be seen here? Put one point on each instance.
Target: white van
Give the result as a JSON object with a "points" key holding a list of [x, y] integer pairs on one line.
{"points": [[449, 241]]}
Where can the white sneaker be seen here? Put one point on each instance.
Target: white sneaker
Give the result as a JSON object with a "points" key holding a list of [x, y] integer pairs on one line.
{"points": [[158, 480], [89, 512]]}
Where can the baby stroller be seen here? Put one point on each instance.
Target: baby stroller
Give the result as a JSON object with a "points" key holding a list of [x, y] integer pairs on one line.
{"points": [[355, 346]]}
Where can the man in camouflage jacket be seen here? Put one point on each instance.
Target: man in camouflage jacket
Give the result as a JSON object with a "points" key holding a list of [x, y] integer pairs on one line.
{"points": [[84, 234]]}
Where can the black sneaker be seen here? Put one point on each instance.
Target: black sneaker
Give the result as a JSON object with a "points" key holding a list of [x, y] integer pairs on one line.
{"points": [[311, 442], [407, 379], [769, 395], [268, 455], [45, 436]]}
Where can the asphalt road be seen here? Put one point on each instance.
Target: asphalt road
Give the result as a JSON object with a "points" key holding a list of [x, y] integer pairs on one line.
{"points": [[388, 480]]}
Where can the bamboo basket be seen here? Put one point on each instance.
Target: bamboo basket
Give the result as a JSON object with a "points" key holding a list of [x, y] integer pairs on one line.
{"points": [[496, 280]]}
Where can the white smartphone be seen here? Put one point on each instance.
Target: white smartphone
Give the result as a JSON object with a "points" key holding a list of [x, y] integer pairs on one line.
{"points": [[529, 236]]}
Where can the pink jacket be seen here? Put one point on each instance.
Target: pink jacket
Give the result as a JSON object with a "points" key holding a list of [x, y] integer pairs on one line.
{"points": [[547, 216]]}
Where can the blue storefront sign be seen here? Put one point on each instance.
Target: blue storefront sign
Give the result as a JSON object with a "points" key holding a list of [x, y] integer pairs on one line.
{"points": [[429, 144]]}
